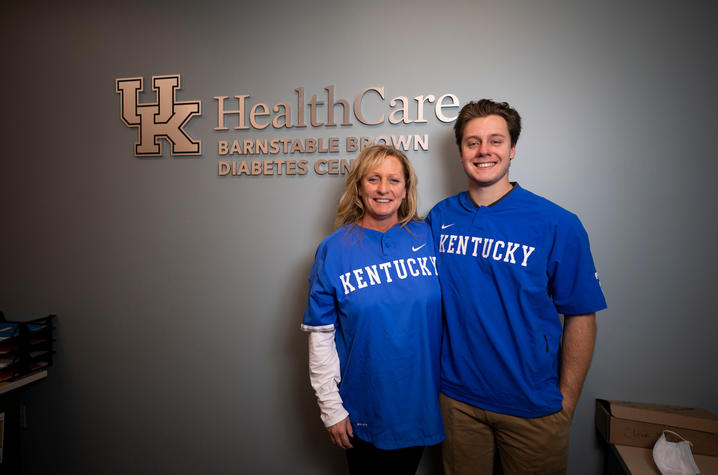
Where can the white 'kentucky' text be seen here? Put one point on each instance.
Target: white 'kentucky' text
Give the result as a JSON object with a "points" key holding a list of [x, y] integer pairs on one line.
{"points": [[399, 268], [485, 247]]}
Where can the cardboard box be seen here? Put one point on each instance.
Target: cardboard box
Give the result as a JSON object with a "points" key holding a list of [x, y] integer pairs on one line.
{"points": [[641, 424], [639, 461]]}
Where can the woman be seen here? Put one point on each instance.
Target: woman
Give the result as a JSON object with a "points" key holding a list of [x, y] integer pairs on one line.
{"points": [[374, 321]]}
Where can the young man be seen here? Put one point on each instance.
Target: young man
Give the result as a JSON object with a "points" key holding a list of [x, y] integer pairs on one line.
{"points": [[509, 263]]}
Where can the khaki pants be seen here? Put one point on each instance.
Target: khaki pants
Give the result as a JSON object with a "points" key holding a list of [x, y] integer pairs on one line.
{"points": [[524, 445]]}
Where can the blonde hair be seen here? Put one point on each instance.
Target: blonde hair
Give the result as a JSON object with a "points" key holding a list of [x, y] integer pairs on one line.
{"points": [[351, 207]]}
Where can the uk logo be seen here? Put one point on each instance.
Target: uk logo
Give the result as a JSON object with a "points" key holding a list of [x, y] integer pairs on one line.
{"points": [[165, 119]]}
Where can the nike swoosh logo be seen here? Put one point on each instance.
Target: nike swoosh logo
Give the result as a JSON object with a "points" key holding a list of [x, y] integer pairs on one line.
{"points": [[444, 226], [417, 248]]}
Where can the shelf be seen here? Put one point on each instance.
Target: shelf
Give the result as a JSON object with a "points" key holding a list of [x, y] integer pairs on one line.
{"points": [[22, 381]]}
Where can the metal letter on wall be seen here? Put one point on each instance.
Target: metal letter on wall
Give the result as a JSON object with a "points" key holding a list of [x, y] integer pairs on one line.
{"points": [[164, 119]]}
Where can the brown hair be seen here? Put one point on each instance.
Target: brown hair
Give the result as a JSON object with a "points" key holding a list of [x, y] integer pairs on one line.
{"points": [[486, 107], [351, 207]]}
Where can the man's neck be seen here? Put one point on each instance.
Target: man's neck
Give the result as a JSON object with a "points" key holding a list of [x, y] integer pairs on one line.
{"points": [[486, 195]]}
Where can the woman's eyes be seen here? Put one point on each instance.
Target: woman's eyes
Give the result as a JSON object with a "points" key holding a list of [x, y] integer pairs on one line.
{"points": [[374, 179]]}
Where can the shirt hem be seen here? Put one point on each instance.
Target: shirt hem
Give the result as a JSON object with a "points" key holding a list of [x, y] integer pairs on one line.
{"points": [[511, 411]]}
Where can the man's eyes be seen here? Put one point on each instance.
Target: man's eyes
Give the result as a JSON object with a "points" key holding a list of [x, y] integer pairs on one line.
{"points": [[476, 143]]}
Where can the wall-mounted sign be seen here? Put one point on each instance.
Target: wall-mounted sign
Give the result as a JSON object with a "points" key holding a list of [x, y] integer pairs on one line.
{"points": [[238, 155], [163, 119]]}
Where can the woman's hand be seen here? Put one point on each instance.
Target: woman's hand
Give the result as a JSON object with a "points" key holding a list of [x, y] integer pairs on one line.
{"points": [[340, 432]]}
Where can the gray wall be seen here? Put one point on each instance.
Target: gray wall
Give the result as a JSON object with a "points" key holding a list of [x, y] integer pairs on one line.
{"points": [[179, 292]]}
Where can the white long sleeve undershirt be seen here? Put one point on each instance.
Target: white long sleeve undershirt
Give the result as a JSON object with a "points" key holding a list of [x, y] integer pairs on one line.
{"points": [[325, 375]]}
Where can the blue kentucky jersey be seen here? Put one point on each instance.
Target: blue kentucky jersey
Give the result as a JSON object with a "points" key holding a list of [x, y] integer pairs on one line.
{"points": [[381, 293], [506, 272]]}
